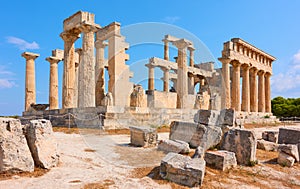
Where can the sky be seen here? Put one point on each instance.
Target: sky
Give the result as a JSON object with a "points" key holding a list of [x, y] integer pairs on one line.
{"points": [[35, 25]]}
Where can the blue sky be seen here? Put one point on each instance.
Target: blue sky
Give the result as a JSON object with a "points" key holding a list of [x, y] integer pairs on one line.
{"points": [[34, 26]]}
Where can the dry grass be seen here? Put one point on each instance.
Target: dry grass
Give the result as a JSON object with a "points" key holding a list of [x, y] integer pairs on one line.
{"points": [[37, 173], [101, 185], [66, 130]]}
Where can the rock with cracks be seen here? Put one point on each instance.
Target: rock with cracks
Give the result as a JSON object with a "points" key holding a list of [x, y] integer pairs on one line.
{"points": [[285, 160], [15, 155], [176, 146], [267, 145], [42, 143], [143, 136], [182, 169], [220, 159], [290, 149]]}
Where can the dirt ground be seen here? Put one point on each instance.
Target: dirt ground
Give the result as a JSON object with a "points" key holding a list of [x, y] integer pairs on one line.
{"points": [[93, 159]]}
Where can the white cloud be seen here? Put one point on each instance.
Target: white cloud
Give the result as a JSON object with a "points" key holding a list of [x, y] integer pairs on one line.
{"points": [[289, 81], [3, 71], [6, 83], [22, 44], [171, 19]]}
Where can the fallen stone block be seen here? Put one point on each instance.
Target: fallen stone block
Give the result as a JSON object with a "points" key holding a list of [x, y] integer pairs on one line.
{"points": [[271, 136], [15, 155], [290, 149], [220, 159], [289, 135], [42, 143], [285, 159], [175, 146], [195, 134], [223, 118], [199, 152], [242, 143], [143, 136], [267, 145], [182, 169]]}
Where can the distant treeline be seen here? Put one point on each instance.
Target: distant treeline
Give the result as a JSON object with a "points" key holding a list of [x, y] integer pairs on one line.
{"points": [[289, 107]]}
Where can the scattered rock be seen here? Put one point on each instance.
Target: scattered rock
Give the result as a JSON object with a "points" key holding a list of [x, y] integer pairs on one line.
{"points": [[242, 143], [199, 153], [271, 136], [290, 149], [220, 159], [42, 143], [289, 135], [143, 136], [285, 159], [15, 155], [175, 146], [195, 134], [267, 145], [182, 169]]}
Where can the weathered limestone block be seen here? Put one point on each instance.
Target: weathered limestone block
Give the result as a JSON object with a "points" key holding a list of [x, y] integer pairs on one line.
{"points": [[175, 146], [289, 135], [42, 143], [271, 136], [290, 149], [195, 134], [242, 143], [182, 169], [267, 145], [199, 152], [107, 100], [143, 136], [138, 97], [285, 159], [220, 159], [15, 155]]}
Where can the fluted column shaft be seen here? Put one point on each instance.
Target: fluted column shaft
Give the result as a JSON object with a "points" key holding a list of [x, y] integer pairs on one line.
{"points": [[79, 53], [166, 49], [30, 91], [68, 91], [191, 56], [151, 78], [253, 90], [246, 89], [99, 71], [166, 79], [268, 92], [53, 84], [236, 104], [182, 77], [226, 97], [261, 91]]}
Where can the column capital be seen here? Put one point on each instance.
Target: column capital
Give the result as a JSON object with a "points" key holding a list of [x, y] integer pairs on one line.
{"points": [[100, 44], [70, 36], [245, 67], [261, 72], [182, 43], [224, 60], [191, 48], [30, 56], [53, 60], [253, 70], [236, 64], [268, 74], [165, 69], [149, 65]]}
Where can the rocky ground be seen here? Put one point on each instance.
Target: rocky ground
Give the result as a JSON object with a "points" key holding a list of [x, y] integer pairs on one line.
{"points": [[94, 159]]}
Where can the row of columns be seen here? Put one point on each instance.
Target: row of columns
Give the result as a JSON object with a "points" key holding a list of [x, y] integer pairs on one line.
{"points": [[254, 98]]}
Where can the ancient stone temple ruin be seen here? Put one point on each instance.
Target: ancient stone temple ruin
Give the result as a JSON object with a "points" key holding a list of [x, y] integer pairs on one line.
{"points": [[86, 102]]}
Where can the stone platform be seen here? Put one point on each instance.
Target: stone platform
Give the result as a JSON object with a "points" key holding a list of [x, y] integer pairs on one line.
{"points": [[111, 117]]}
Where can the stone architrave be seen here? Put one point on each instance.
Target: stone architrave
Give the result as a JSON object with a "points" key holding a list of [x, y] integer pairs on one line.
{"points": [[42, 143], [68, 89], [242, 143], [53, 84], [30, 92], [182, 169], [15, 155]]}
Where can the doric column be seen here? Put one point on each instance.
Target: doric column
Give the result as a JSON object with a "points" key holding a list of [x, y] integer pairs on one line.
{"points": [[191, 83], [182, 74], [166, 79], [268, 92], [246, 89], [166, 49], [30, 93], [236, 105], [261, 91], [77, 62], [99, 71], [53, 84], [191, 49], [68, 92], [253, 90], [86, 75], [226, 99], [150, 77]]}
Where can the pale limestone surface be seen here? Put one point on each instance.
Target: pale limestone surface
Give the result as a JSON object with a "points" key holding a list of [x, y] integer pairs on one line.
{"points": [[220, 159], [42, 143], [15, 155]]}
